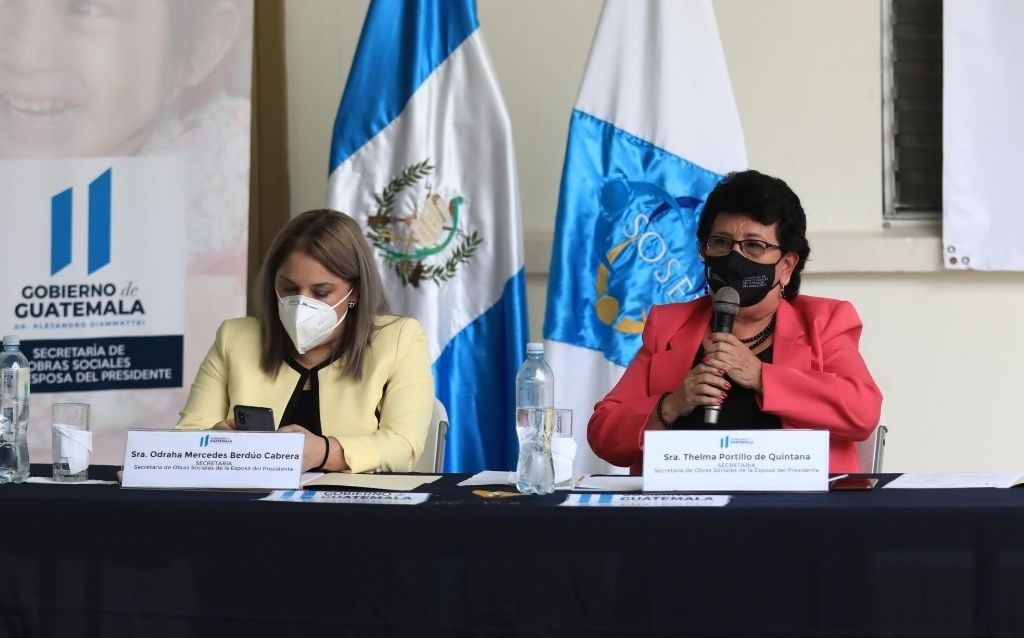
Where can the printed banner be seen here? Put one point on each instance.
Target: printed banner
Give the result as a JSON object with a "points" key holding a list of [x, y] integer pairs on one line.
{"points": [[982, 135], [124, 169]]}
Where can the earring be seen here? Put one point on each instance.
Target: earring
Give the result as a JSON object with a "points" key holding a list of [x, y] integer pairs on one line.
{"points": [[351, 304]]}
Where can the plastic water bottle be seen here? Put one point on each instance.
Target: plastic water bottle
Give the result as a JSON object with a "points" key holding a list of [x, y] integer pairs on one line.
{"points": [[535, 398], [14, 390]]}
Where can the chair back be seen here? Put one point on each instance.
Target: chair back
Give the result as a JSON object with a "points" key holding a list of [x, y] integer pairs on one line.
{"points": [[871, 450], [432, 459]]}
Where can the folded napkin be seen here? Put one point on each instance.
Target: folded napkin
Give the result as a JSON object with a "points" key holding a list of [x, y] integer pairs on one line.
{"points": [[73, 447]]}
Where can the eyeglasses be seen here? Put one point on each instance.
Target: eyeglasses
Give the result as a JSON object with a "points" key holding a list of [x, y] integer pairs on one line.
{"points": [[717, 246]]}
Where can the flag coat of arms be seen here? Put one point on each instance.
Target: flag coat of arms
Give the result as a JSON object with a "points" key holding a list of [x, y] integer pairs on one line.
{"points": [[422, 157], [654, 128]]}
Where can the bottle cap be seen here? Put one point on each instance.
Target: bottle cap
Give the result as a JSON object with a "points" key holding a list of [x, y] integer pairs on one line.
{"points": [[11, 340], [534, 347]]}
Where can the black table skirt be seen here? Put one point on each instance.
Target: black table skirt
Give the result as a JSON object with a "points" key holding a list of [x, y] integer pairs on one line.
{"points": [[102, 561]]}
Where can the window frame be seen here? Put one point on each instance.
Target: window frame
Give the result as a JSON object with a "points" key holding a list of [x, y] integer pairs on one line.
{"points": [[890, 212]]}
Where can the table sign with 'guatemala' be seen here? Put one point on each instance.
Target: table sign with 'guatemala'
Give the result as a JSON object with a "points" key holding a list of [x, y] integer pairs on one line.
{"points": [[736, 461], [213, 459], [346, 497]]}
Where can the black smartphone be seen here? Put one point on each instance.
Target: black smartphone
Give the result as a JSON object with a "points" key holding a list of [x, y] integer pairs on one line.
{"points": [[249, 418], [853, 483]]}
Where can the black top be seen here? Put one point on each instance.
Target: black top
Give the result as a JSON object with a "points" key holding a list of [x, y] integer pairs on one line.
{"points": [[304, 406], [739, 412]]}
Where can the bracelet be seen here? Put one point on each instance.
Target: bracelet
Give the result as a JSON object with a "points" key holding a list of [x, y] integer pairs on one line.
{"points": [[327, 452], [657, 411]]}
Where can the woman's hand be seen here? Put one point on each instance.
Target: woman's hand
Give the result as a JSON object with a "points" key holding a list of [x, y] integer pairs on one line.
{"points": [[725, 352], [313, 449], [226, 424], [702, 386]]}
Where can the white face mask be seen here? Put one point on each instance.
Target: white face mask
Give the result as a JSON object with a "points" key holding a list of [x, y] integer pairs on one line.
{"points": [[309, 322]]}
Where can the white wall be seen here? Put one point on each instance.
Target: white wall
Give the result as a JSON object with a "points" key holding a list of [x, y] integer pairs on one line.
{"points": [[807, 80]]}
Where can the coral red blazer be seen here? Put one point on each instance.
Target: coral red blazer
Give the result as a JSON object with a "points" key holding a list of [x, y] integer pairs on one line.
{"points": [[817, 378]]}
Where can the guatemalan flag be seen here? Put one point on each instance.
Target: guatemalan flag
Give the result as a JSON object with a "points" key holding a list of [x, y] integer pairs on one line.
{"points": [[654, 129], [422, 156]]}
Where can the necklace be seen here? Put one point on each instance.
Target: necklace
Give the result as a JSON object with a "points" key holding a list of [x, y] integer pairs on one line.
{"points": [[761, 337]]}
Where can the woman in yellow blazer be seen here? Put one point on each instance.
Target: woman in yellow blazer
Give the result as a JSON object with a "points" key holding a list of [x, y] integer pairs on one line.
{"points": [[323, 354]]}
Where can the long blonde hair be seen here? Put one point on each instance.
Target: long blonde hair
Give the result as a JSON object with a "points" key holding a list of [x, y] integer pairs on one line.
{"points": [[335, 240]]}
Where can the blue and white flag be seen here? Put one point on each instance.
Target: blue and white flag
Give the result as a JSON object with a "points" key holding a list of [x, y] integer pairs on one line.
{"points": [[654, 129], [422, 156]]}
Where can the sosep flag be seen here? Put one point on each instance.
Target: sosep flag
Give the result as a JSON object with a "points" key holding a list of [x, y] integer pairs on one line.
{"points": [[654, 129], [422, 156]]}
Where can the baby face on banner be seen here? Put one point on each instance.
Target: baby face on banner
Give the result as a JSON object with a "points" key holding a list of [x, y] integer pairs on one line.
{"points": [[92, 77], [138, 78]]}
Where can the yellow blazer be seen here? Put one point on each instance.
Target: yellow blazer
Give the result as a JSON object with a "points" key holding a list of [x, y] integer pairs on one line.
{"points": [[381, 421]]}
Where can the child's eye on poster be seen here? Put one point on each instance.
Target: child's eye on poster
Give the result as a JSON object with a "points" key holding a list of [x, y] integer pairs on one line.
{"points": [[115, 78]]}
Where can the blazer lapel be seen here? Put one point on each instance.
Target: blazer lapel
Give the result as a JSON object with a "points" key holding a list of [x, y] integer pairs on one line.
{"points": [[278, 391], [669, 366], [790, 347]]}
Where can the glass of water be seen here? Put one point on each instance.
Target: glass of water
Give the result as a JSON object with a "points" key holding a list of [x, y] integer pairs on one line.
{"points": [[563, 448], [72, 442]]}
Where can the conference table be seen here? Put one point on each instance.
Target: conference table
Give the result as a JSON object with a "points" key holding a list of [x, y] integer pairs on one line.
{"points": [[98, 560]]}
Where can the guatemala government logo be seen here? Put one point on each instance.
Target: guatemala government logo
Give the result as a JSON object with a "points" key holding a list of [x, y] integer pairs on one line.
{"points": [[648, 252], [419, 235], [98, 225]]}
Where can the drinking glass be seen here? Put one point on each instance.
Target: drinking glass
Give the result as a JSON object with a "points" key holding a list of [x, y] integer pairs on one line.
{"points": [[71, 442], [563, 447]]}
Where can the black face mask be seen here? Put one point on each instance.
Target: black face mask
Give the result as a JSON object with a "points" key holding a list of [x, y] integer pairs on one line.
{"points": [[752, 280]]}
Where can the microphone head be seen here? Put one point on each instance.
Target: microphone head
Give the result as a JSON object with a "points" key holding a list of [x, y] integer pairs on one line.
{"points": [[727, 301]]}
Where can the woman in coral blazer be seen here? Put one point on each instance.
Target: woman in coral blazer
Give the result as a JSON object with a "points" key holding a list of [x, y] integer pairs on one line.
{"points": [[791, 361]]}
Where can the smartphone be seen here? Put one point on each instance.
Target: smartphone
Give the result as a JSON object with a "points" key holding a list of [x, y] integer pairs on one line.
{"points": [[249, 418], [853, 483]]}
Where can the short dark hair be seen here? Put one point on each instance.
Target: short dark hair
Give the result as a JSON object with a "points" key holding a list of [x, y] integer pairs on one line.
{"points": [[767, 200], [335, 240]]}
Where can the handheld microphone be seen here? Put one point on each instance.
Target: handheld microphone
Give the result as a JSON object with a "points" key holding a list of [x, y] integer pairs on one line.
{"points": [[726, 305]]}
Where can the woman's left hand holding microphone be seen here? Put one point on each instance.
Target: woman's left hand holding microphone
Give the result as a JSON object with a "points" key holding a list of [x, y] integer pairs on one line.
{"points": [[727, 353]]}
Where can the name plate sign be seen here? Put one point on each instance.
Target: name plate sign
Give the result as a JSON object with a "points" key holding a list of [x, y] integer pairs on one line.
{"points": [[736, 461], [213, 459]]}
